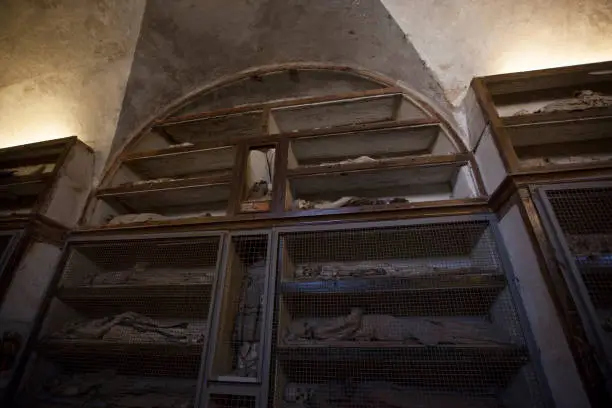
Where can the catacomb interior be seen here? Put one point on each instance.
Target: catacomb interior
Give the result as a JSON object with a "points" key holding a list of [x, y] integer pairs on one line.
{"points": [[304, 249]]}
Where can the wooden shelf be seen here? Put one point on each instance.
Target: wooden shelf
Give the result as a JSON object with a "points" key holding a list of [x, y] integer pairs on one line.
{"points": [[395, 163], [184, 194], [180, 161], [369, 109], [175, 360], [455, 294], [539, 133], [226, 128], [365, 181], [558, 116], [175, 300], [416, 139], [462, 366]]}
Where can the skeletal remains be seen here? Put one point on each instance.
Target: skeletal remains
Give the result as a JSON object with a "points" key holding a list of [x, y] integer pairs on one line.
{"points": [[582, 100], [132, 327], [360, 327]]}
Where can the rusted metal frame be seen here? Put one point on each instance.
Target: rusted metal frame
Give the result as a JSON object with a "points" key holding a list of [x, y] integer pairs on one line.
{"points": [[500, 137]]}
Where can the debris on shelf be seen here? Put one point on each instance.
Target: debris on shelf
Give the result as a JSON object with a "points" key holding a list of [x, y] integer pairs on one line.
{"points": [[582, 100], [107, 389], [260, 190], [132, 327], [152, 181], [186, 144], [360, 159], [590, 245], [9, 213], [355, 394], [312, 271], [144, 274], [360, 327], [346, 202], [35, 170], [545, 161], [145, 217]]}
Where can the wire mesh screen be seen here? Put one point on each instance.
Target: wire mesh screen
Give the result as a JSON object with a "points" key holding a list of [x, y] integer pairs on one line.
{"points": [[400, 316], [231, 401], [238, 342], [129, 324], [585, 218]]}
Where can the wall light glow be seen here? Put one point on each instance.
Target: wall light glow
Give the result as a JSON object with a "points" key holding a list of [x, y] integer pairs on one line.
{"points": [[533, 57], [35, 120]]}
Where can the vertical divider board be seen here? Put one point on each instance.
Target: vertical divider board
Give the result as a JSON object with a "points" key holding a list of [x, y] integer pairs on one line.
{"points": [[238, 180], [501, 139], [280, 185]]}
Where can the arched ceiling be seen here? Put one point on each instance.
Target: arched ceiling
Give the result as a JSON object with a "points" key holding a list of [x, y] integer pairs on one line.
{"points": [[185, 45]]}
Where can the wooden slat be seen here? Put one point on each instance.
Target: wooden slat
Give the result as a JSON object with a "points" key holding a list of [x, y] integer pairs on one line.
{"points": [[175, 163], [396, 163], [558, 116], [463, 366], [559, 132]]}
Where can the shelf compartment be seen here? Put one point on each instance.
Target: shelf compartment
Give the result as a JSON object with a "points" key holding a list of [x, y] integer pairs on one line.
{"points": [[419, 139], [223, 128], [238, 339], [456, 295], [464, 366], [151, 300], [126, 358], [57, 388], [353, 111], [180, 162], [418, 182], [197, 195]]}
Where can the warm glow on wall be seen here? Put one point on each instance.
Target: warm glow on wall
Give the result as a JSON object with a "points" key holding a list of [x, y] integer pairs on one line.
{"points": [[36, 120], [532, 56]]}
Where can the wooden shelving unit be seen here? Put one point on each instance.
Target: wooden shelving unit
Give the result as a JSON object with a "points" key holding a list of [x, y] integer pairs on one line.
{"points": [[361, 303], [139, 307], [373, 145], [541, 121], [43, 190]]}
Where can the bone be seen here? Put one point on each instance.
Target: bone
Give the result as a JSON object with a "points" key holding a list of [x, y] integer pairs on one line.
{"points": [[313, 271], [359, 327], [132, 327]]}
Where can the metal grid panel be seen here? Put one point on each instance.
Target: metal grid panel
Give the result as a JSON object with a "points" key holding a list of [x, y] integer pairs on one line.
{"points": [[231, 401], [130, 319], [239, 330], [581, 216], [416, 315]]}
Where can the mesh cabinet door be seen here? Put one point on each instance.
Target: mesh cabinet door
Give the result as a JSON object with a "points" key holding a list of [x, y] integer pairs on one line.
{"points": [[8, 240], [578, 220], [129, 323], [390, 314], [237, 342]]}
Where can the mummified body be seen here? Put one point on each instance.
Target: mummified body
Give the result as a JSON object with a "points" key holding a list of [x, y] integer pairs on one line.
{"points": [[365, 328], [132, 327]]}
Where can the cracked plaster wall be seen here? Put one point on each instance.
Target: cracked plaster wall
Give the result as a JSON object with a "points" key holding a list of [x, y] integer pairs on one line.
{"points": [[65, 64], [194, 43], [460, 39]]}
